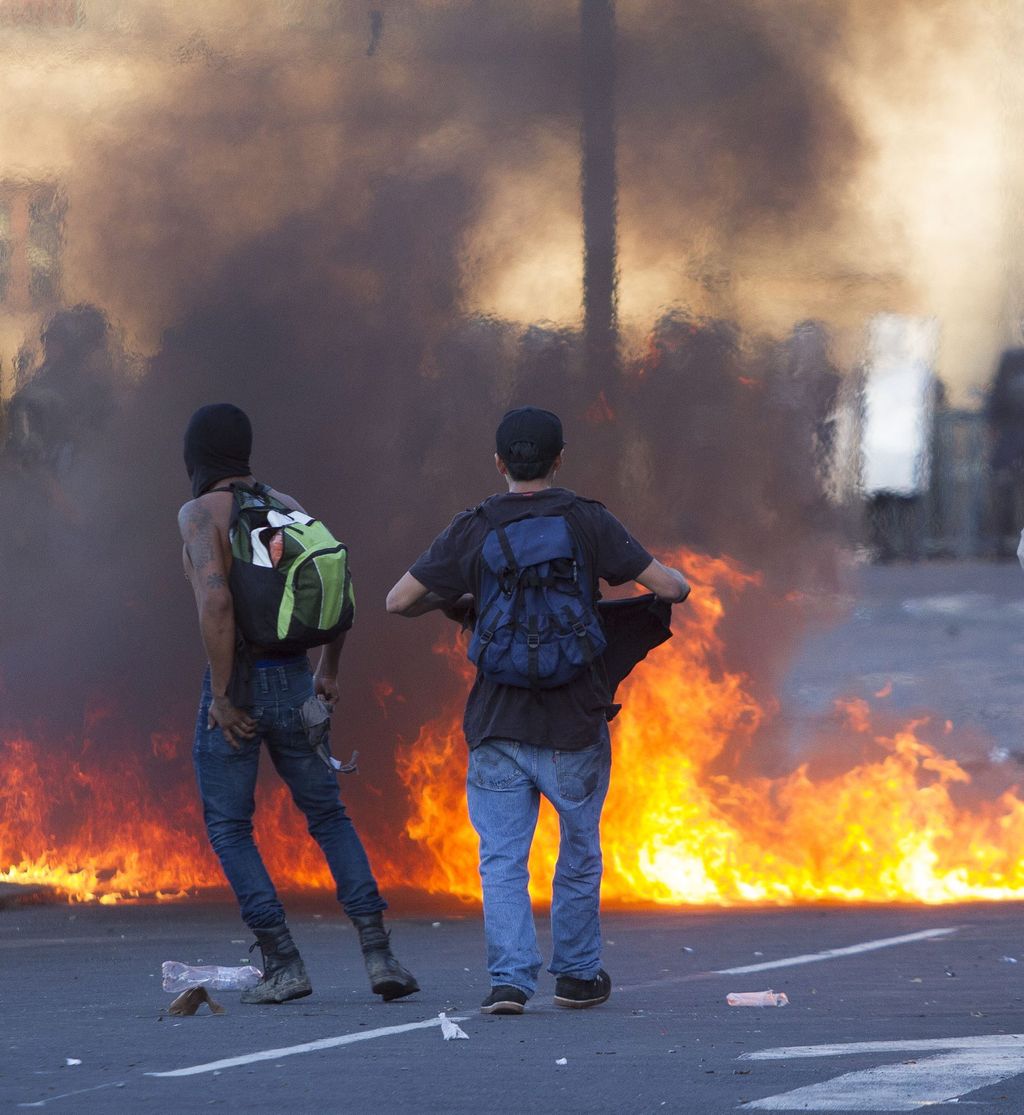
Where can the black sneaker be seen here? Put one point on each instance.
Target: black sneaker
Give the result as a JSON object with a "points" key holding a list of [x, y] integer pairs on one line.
{"points": [[504, 999], [572, 992]]}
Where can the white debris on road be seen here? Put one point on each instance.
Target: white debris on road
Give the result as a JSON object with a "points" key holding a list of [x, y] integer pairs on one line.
{"points": [[757, 999], [450, 1029]]}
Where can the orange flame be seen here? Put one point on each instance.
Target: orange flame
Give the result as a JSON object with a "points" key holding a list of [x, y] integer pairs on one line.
{"points": [[681, 824], [678, 830]]}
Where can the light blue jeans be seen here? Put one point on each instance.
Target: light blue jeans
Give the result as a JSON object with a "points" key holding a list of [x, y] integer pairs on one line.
{"points": [[503, 787]]}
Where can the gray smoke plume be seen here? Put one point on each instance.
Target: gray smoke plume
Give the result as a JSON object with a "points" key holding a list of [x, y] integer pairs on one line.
{"points": [[297, 209]]}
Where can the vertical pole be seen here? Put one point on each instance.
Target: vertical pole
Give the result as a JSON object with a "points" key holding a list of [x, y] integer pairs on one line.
{"points": [[600, 324]]}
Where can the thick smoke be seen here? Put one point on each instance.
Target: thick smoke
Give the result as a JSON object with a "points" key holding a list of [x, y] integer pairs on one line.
{"points": [[287, 221]]}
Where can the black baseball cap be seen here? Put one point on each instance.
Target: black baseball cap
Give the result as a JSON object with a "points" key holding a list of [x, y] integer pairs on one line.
{"points": [[540, 428]]}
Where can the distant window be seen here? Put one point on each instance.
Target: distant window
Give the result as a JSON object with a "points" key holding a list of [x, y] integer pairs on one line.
{"points": [[45, 227], [31, 242]]}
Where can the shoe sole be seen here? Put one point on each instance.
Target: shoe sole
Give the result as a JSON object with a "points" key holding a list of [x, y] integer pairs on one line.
{"points": [[289, 997], [581, 1004], [393, 990], [505, 1007]]}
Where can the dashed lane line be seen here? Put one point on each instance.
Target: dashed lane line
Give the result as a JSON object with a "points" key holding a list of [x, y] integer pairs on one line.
{"points": [[831, 954], [306, 1047], [805, 958]]}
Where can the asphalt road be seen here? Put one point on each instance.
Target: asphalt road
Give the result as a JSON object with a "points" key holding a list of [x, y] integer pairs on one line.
{"points": [[943, 639], [943, 1014], [83, 983]]}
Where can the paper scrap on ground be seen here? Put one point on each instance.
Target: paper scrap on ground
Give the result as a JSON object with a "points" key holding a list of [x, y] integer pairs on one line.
{"points": [[450, 1029], [69, 1061], [562, 1061], [757, 999], [188, 1002]]}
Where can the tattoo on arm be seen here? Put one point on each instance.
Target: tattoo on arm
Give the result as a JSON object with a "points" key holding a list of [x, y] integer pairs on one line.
{"points": [[197, 529], [216, 580]]}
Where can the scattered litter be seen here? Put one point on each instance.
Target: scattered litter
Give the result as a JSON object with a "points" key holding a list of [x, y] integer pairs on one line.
{"points": [[69, 1061], [562, 1061], [949, 972], [435, 925], [188, 1002], [686, 948], [180, 977], [759, 954], [757, 999], [1009, 959], [450, 1029]]}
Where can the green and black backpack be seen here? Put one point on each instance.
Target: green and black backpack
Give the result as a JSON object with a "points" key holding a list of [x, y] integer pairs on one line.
{"points": [[289, 575]]}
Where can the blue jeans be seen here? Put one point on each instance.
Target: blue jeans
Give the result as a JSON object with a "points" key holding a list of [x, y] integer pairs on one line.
{"points": [[503, 787], [227, 785]]}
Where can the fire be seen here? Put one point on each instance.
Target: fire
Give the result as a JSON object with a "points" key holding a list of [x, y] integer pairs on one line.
{"points": [[678, 828], [114, 829], [685, 821]]}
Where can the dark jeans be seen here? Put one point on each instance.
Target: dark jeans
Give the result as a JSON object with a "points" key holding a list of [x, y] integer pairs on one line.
{"points": [[227, 785]]}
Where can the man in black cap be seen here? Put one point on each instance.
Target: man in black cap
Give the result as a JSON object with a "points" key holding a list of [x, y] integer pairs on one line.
{"points": [[240, 709], [536, 719]]}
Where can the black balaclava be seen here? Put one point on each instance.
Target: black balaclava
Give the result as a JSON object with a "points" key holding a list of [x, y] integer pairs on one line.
{"points": [[218, 441]]}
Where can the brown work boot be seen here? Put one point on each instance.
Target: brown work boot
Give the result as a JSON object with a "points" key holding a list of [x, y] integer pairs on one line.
{"points": [[284, 974], [388, 978]]}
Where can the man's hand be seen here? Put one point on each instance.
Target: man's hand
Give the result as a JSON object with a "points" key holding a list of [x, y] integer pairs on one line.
{"points": [[326, 687], [231, 721], [462, 611], [666, 583]]}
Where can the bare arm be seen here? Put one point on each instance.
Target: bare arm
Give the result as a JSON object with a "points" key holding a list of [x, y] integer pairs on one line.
{"points": [[207, 559], [412, 598], [325, 680], [666, 583]]}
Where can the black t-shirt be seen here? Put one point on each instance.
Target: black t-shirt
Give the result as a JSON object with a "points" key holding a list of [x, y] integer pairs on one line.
{"points": [[569, 717]]}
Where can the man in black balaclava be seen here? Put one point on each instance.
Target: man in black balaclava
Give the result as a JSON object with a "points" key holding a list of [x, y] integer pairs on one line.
{"points": [[218, 442], [240, 709]]}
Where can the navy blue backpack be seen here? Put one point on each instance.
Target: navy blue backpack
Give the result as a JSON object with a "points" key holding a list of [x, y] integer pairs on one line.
{"points": [[537, 625]]}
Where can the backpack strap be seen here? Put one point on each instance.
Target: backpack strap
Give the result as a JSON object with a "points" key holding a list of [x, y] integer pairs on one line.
{"points": [[572, 518], [506, 583]]}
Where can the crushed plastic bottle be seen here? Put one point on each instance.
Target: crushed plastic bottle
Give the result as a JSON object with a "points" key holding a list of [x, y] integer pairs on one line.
{"points": [[757, 999], [180, 977]]}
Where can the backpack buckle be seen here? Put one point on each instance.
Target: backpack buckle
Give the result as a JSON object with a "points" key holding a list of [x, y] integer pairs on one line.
{"points": [[486, 637], [533, 640], [578, 629]]}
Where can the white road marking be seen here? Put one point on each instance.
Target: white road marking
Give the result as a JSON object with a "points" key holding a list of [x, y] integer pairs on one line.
{"points": [[792, 961], [77, 1092], [306, 1047], [831, 954], [963, 1065]]}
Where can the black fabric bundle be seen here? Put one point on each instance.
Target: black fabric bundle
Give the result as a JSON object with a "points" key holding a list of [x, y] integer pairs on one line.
{"points": [[634, 626]]}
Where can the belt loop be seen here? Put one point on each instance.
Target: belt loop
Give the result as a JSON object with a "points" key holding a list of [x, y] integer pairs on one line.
{"points": [[262, 675], [282, 679]]}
